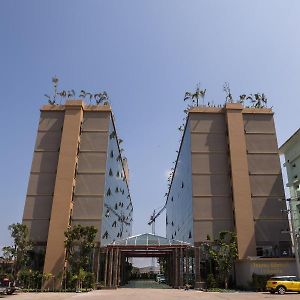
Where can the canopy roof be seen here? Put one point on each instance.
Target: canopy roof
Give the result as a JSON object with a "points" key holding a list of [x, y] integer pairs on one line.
{"points": [[148, 239]]}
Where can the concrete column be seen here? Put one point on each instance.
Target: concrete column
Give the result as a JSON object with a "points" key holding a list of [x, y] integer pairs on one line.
{"points": [[119, 268], [106, 268], [110, 271], [63, 191], [96, 262], [115, 267], [176, 269], [197, 265], [180, 261], [241, 191]]}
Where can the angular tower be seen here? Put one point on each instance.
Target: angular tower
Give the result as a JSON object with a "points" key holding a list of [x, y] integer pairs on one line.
{"points": [[77, 177], [228, 177]]}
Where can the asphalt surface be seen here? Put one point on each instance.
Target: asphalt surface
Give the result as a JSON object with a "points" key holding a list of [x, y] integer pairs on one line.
{"points": [[153, 292]]}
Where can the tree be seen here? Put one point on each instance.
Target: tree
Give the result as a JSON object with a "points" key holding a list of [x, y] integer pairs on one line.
{"points": [[224, 252], [79, 244], [195, 96], [18, 252]]}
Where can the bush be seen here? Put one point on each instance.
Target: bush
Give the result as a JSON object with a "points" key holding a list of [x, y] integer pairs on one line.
{"points": [[211, 281], [259, 282], [89, 281]]}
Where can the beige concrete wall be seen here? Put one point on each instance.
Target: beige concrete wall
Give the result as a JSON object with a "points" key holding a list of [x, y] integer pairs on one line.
{"points": [[241, 191], [263, 266], [236, 172], [265, 178], [67, 180], [212, 204], [63, 191], [40, 190], [90, 179]]}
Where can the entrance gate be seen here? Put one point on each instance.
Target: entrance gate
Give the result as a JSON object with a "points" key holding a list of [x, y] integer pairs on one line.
{"points": [[179, 257]]}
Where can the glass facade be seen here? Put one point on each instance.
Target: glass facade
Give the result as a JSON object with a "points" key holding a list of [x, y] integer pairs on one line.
{"points": [[179, 212], [117, 213]]}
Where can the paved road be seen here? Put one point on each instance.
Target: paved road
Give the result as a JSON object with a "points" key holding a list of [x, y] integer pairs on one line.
{"points": [[150, 294], [146, 284]]}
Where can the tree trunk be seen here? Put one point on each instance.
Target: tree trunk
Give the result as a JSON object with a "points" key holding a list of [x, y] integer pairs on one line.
{"points": [[226, 282]]}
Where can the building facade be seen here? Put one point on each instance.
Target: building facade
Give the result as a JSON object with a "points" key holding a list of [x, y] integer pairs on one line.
{"points": [[78, 176], [228, 177], [291, 151]]}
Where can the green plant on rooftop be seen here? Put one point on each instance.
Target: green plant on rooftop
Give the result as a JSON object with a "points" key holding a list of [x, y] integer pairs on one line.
{"points": [[258, 100], [194, 97]]}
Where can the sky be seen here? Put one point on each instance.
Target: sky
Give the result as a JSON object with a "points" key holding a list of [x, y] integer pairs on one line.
{"points": [[145, 54]]}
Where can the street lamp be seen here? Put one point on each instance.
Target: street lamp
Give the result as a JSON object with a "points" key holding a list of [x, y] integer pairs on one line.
{"points": [[295, 235]]}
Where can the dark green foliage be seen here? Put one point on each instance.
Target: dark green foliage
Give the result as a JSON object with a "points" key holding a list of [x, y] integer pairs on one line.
{"points": [[79, 244], [19, 251], [259, 282], [223, 252], [211, 281]]}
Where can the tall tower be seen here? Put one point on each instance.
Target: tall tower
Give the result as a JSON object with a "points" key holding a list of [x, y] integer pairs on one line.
{"points": [[77, 177], [228, 177]]}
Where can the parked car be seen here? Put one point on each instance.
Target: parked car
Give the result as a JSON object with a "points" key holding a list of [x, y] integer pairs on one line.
{"points": [[283, 284], [7, 287], [160, 278]]}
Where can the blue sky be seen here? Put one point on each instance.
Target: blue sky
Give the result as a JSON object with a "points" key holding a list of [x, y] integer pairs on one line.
{"points": [[145, 54]]}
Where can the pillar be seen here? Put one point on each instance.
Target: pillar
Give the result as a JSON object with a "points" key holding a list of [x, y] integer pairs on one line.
{"points": [[63, 192], [180, 261], [197, 265], [241, 191], [106, 268], [110, 271]]}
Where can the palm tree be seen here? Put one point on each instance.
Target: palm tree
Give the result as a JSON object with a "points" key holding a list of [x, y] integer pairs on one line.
{"points": [[71, 93], [227, 91], [101, 97], [260, 100], [195, 96], [52, 99]]}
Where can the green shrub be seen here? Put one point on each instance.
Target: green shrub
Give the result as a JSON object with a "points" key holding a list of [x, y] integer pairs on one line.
{"points": [[259, 282], [211, 281]]}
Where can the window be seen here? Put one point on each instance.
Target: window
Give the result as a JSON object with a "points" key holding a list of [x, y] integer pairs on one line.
{"points": [[190, 235], [116, 206], [182, 185], [110, 172], [114, 224], [117, 190], [105, 235]]}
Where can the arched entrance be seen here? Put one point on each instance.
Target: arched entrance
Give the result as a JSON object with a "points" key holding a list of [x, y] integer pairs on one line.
{"points": [[178, 256]]}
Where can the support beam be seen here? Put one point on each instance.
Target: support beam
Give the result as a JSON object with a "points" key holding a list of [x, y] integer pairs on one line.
{"points": [[197, 265], [106, 268], [180, 261], [241, 191], [63, 192], [110, 271]]}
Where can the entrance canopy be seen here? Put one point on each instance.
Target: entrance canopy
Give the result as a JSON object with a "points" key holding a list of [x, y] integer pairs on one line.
{"points": [[177, 255], [148, 239]]}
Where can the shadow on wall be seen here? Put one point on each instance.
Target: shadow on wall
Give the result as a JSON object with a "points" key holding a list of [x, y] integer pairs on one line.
{"points": [[43, 173]]}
